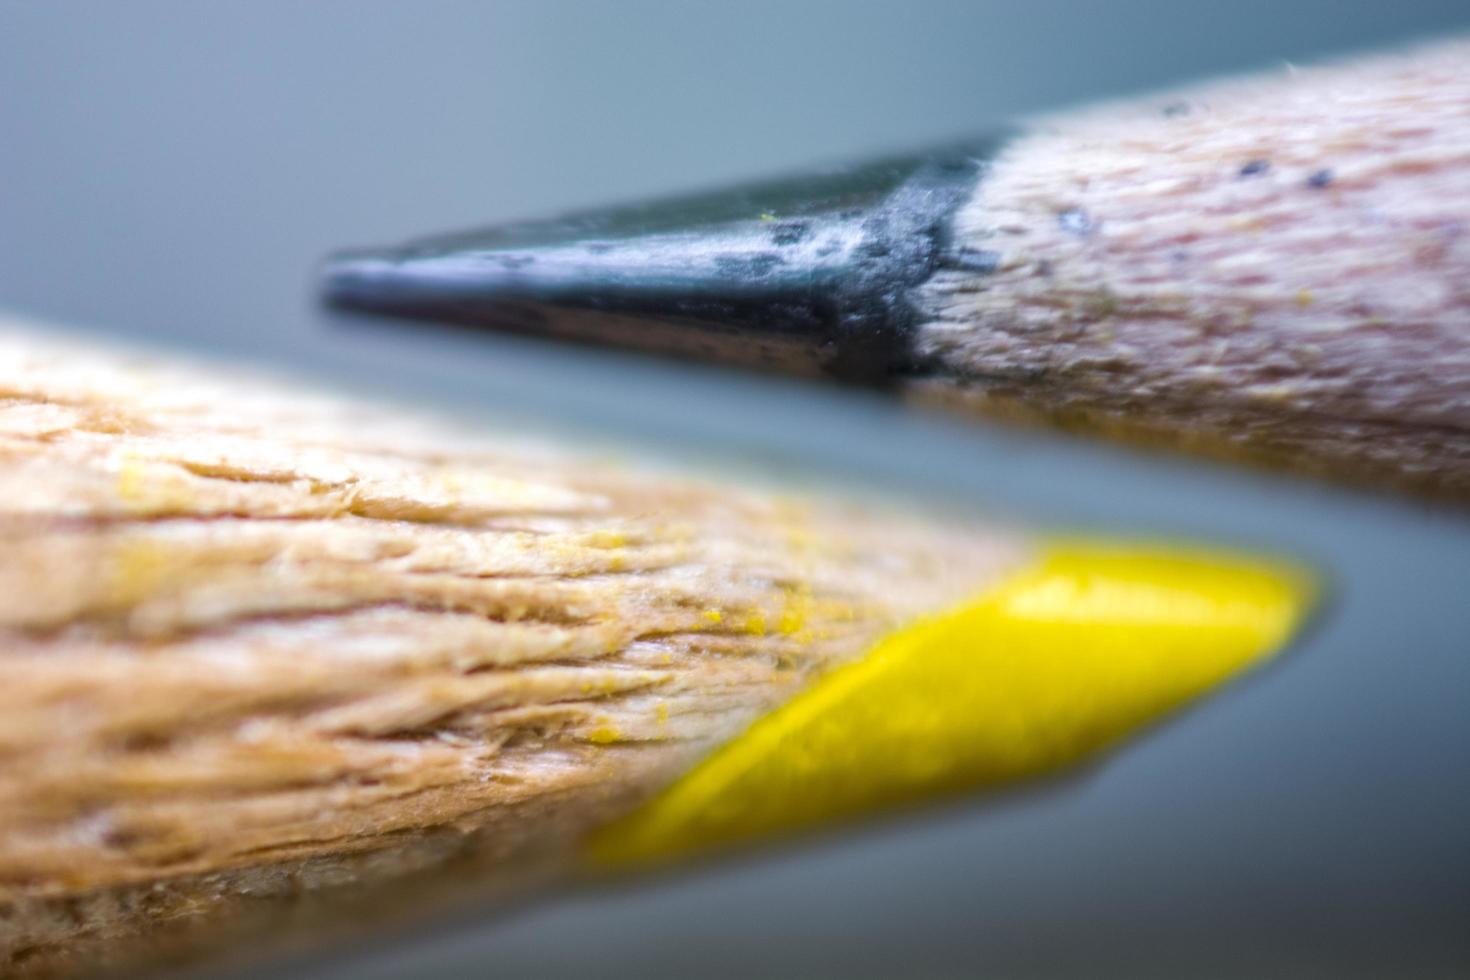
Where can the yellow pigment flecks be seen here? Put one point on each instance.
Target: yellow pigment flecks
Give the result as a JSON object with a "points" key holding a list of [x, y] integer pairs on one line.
{"points": [[132, 477], [138, 569], [607, 539], [755, 623], [604, 735], [1053, 666], [148, 487], [794, 612], [713, 616]]}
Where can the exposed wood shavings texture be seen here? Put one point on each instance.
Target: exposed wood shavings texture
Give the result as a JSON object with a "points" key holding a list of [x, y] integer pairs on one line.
{"points": [[254, 641], [1277, 267]]}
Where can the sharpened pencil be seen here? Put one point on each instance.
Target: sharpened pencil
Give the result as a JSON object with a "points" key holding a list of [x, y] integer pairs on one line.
{"points": [[1273, 269], [282, 667]]}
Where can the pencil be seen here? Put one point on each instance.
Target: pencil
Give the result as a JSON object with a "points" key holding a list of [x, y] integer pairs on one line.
{"points": [[1271, 269], [281, 667]]}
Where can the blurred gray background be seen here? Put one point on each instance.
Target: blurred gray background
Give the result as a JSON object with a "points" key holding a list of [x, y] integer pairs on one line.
{"points": [[170, 172]]}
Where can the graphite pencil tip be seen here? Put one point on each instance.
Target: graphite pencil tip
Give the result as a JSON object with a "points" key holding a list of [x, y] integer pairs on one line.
{"points": [[804, 274]]}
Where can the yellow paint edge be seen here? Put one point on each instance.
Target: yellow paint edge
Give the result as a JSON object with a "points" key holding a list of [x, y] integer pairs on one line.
{"points": [[1054, 665]]}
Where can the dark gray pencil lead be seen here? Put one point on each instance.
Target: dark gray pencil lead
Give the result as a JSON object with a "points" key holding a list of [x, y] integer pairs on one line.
{"points": [[805, 274]]}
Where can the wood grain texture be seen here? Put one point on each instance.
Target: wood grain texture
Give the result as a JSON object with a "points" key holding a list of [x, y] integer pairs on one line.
{"points": [[1276, 268], [268, 653]]}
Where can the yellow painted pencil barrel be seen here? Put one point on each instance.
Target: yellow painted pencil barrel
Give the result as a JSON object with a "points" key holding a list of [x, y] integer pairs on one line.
{"points": [[1050, 667]]}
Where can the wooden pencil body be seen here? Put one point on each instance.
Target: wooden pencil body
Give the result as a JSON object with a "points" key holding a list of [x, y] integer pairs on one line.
{"points": [[1276, 268], [267, 655]]}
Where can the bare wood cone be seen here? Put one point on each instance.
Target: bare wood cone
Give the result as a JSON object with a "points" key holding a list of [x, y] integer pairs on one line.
{"points": [[269, 655], [1274, 268]]}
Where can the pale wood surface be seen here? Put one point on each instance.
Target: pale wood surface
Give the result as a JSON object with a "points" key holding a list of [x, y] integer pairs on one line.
{"points": [[260, 646], [1276, 268]]}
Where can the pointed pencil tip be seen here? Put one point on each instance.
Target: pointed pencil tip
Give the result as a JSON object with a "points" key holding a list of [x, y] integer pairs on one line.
{"points": [[804, 275]]}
